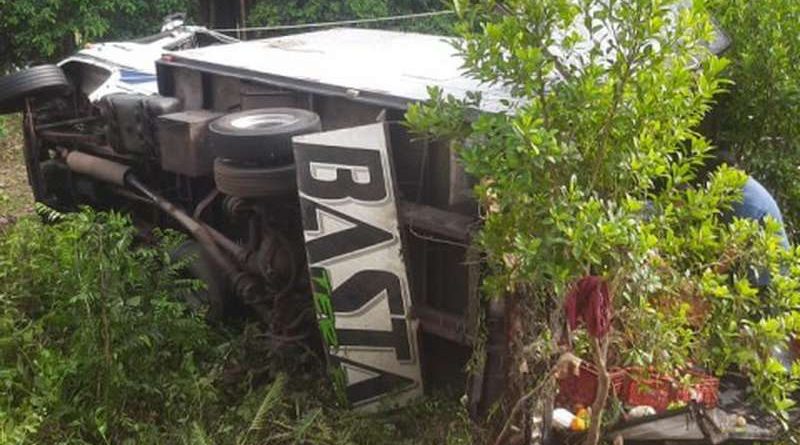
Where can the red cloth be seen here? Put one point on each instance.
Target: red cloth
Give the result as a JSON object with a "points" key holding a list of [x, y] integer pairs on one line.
{"points": [[588, 302]]}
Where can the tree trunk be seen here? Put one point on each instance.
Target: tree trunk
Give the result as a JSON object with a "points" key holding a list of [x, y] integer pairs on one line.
{"points": [[600, 347]]}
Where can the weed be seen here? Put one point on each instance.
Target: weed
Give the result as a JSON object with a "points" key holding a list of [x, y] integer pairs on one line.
{"points": [[95, 348]]}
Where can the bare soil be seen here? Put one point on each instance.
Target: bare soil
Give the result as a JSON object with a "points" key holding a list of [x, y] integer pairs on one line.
{"points": [[15, 194]]}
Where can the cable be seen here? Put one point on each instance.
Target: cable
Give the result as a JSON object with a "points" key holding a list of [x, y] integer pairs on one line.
{"points": [[339, 23]]}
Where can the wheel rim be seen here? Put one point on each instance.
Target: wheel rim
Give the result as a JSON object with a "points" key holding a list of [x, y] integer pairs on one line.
{"points": [[263, 121]]}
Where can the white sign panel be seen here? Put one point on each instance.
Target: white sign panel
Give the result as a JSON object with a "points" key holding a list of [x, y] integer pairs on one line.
{"points": [[361, 291]]}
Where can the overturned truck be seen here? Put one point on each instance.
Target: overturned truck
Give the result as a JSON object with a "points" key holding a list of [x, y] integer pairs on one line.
{"points": [[287, 162]]}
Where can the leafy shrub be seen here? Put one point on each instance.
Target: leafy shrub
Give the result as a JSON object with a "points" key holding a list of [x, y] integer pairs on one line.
{"points": [[94, 347], [135, 18], [758, 119], [32, 31], [592, 166]]}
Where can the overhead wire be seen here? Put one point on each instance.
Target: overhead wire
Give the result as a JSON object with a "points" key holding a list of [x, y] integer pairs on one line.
{"points": [[338, 23]]}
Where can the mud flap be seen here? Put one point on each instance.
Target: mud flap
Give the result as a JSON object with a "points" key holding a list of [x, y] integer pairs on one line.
{"points": [[359, 279]]}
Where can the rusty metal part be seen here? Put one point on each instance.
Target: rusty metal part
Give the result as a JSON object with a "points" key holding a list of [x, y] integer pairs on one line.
{"points": [[472, 314], [182, 141], [244, 284], [443, 324], [65, 137], [98, 168], [493, 377], [214, 243], [203, 205], [127, 194], [119, 174], [276, 262], [267, 253], [235, 206], [195, 228], [31, 153], [107, 152], [64, 123], [454, 226], [227, 244], [131, 127], [248, 289]]}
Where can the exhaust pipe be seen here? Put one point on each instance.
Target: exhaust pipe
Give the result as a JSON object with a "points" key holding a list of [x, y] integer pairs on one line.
{"points": [[121, 175], [98, 168]]}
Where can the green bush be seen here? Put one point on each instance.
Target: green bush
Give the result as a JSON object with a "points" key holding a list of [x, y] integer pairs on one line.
{"points": [[289, 12], [94, 346], [759, 119], [35, 31], [592, 167]]}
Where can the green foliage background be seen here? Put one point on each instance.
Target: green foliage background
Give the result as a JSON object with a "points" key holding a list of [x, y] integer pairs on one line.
{"points": [[759, 119], [33, 31], [283, 12]]}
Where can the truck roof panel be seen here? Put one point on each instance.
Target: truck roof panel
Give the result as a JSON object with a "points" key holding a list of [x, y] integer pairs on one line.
{"points": [[384, 67]]}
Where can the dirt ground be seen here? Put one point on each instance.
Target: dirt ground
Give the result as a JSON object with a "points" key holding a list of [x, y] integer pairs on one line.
{"points": [[15, 193]]}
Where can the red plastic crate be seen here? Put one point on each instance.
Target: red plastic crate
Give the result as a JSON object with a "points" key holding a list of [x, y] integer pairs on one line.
{"points": [[581, 389], [659, 391], [654, 391], [705, 388]]}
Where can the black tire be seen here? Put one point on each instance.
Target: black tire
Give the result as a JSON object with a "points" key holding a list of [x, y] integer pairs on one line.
{"points": [[252, 181], [37, 82], [260, 135], [200, 267]]}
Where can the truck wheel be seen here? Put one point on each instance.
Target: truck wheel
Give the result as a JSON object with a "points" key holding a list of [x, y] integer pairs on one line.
{"points": [[200, 267], [252, 181], [36, 82], [260, 135]]}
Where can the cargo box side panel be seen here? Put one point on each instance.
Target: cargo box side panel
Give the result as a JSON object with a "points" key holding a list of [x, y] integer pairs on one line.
{"points": [[361, 290]]}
